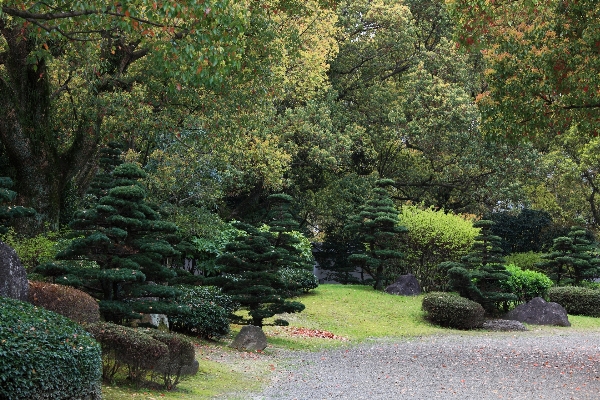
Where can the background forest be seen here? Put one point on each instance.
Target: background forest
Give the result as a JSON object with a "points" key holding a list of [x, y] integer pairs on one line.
{"points": [[483, 109]]}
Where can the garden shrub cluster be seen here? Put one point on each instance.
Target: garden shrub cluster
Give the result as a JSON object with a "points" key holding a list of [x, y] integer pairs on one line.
{"points": [[452, 311], [527, 284], [577, 300], [44, 355], [64, 300], [298, 280], [142, 351], [209, 312]]}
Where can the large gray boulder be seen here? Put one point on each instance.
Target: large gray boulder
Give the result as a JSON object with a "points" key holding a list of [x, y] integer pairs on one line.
{"points": [[405, 285], [13, 278], [540, 312], [250, 338]]}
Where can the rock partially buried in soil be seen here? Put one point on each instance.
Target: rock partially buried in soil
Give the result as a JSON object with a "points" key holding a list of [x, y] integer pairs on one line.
{"points": [[539, 312], [503, 325], [250, 338], [405, 285]]}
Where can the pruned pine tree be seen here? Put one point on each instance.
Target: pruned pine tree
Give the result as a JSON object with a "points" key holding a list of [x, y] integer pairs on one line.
{"points": [[376, 227], [9, 212], [123, 235], [249, 274], [571, 259], [480, 275]]}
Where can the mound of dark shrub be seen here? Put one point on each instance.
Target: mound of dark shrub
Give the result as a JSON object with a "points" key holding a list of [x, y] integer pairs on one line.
{"points": [[209, 312], [64, 300], [44, 355], [452, 311], [577, 300]]}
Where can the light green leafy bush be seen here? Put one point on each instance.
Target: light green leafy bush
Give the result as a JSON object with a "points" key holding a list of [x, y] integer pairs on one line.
{"points": [[44, 355], [434, 236], [525, 261], [527, 284], [452, 311]]}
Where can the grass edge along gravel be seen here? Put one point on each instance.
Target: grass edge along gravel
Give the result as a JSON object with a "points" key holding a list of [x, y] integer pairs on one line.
{"points": [[355, 313]]}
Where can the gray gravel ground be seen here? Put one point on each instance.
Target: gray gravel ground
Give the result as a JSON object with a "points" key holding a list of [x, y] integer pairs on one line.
{"points": [[482, 366]]}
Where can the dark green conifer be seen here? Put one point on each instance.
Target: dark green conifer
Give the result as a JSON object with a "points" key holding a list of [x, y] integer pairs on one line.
{"points": [[249, 274], [572, 258], [376, 228], [9, 212], [123, 234], [480, 275]]}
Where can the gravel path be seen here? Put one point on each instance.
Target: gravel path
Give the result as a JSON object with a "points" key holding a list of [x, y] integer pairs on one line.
{"points": [[513, 366]]}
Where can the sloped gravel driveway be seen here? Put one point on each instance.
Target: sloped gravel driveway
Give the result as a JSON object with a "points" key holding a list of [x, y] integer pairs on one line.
{"points": [[553, 365]]}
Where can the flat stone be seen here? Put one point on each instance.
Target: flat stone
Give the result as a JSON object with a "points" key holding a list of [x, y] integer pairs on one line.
{"points": [[250, 338], [13, 278], [405, 285], [503, 325], [540, 312]]}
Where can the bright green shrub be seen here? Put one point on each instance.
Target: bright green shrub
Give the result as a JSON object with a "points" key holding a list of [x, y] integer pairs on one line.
{"points": [[64, 300], [36, 250], [453, 311], [525, 261], [122, 345], [577, 300], [298, 280], [209, 312], [434, 236], [527, 284], [180, 361], [44, 355]]}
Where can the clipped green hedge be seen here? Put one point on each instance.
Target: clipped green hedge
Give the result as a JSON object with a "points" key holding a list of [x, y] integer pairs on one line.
{"points": [[452, 311], [44, 355], [577, 300]]}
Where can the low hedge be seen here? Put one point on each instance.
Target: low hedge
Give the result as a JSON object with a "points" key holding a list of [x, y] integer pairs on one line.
{"points": [[452, 311], [64, 300], [577, 300], [44, 355]]}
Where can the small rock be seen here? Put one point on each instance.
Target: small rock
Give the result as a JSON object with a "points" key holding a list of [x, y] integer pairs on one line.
{"points": [[250, 338], [405, 285], [503, 325]]}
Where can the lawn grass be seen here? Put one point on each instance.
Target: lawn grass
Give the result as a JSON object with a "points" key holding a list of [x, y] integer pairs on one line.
{"points": [[356, 313]]}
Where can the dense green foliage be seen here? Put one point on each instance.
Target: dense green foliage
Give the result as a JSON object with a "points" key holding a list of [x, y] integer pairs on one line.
{"points": [[577, 300], [297, 281], [376, 227], [209, 312], [64, 300], [481, 273], [8, 211], [522, 232], [433, 236], [524, 261], [527, 284], [453, 311], [572, 258], [250, 275], [45, 355]]}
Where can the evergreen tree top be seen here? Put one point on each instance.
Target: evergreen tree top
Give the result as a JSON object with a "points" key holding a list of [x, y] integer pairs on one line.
{"points": [[129, 171]]}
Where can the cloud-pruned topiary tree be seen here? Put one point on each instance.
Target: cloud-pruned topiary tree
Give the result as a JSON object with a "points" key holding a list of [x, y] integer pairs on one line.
{"points": [[8, 211], [124, 236], [250, 275], [481, 273], [376, 227]]}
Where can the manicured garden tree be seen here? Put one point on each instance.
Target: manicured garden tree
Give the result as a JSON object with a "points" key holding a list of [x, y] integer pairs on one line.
{"points": [[481, 273], [376, 226], [109, 159], [9, 212], [250, 275], [434, 236], [294, 250], [571, 258], [123, 235]]}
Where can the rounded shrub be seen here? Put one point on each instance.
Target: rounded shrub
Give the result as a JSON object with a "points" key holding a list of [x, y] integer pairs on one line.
{"points": [[452, 311], [577, 300], [527, 284], [297, 280], [209, 312], [122, 345], [64, 300], [44, 355]]}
